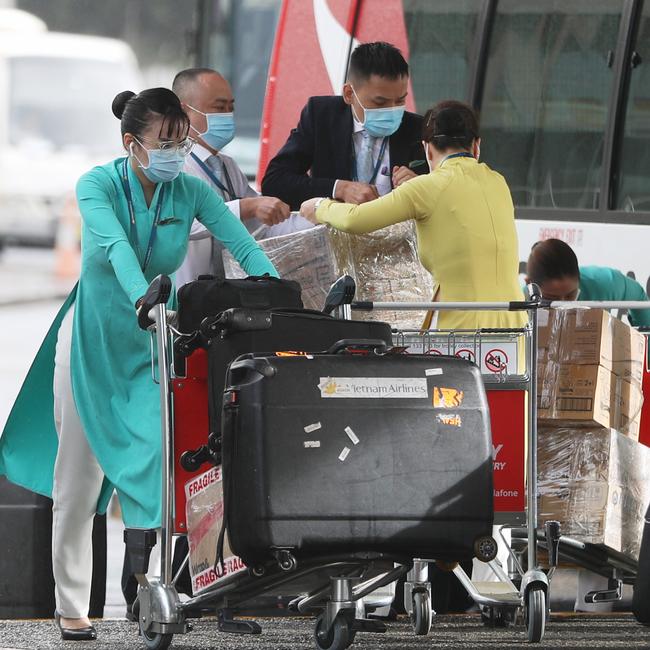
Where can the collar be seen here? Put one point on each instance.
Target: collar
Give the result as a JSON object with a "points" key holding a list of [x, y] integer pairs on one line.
{"points": [[357, 127], [201, 152]]}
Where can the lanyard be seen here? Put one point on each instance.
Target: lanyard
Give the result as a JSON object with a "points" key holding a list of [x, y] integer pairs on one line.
{"points": [[382, 151], [461, 154], [213, 177], [156, 221]]}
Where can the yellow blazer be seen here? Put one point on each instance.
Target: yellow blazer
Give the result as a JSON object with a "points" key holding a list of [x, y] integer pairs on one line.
{"points": [[466, 235]]}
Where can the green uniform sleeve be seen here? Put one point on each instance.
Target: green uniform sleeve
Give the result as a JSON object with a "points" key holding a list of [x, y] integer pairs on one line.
{"points": [[412, 200], [96, 197], [632, 290], [224, 225]]}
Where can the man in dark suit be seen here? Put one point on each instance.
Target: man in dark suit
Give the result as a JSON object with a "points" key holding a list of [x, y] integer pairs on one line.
{"points": [[354, 147]]}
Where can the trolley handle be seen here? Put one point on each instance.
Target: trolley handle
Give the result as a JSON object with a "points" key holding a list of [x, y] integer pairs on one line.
{"points": [[157, 294]]}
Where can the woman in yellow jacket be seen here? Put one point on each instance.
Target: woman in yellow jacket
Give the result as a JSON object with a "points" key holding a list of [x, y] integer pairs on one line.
{"points": [[464, 220]]}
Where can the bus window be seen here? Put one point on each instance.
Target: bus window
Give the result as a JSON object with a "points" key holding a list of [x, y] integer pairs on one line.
{"points": [[546, 97], [440, 36], [235, 26], [632, 191]]}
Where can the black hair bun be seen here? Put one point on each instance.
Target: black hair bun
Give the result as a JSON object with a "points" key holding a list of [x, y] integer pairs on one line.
{"points": [[119, 103]]}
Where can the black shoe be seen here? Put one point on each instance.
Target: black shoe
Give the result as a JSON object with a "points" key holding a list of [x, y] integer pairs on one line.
{"points": [[132, 611], [80, 634]]}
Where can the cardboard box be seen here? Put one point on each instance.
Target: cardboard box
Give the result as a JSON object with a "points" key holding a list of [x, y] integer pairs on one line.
{"points": [[549, 325], [576, 395], [596, 483], [384, 265], [593, 336]]}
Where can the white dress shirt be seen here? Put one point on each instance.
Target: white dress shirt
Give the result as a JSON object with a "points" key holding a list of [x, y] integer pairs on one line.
{"points": [[383, 180]]}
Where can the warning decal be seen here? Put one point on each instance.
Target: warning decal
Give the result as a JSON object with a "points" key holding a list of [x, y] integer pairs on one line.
{"points": [[496, 360]]}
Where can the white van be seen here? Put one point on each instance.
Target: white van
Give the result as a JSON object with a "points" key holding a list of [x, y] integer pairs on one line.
{"points": [[55, 119]]}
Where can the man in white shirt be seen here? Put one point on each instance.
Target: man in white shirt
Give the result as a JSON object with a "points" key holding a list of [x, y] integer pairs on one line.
{"points": [[209, 103]]}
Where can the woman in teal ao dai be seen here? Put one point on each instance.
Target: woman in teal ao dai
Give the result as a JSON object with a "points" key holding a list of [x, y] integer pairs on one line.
{"points": [[137, 213]]}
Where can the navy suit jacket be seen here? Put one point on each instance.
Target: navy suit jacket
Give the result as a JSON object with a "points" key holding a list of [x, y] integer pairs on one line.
{"points": [[319, 151]]}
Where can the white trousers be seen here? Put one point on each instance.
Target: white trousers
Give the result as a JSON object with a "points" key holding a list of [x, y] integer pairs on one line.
{"points": [[77, 485]]}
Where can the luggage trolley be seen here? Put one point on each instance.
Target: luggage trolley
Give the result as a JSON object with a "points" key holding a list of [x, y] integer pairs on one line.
{"points": [[523, 585], [511, 386], [339, 584]]}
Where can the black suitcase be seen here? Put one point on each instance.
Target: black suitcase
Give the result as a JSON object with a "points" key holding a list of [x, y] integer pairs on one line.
{"points": [[208, 296], [240, 331], [337, 454]]}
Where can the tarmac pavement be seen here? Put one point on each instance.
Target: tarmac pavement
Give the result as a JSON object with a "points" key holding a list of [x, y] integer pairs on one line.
{"points": [[459, 631]]}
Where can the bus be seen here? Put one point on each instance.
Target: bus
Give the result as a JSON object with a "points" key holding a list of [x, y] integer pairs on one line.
{"points": [[563, 89], [56, 123]]}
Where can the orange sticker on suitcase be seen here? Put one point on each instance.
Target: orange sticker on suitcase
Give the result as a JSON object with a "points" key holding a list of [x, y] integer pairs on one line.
{"points": [[450, 419], [447, 398]]}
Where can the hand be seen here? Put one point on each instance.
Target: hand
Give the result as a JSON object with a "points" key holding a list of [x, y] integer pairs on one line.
{"points": [[308, 210], [401, 175], [353, 192], [269, 210]]}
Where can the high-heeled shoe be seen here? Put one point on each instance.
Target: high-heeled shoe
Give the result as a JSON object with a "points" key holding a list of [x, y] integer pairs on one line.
{"points": [[88, 633]]}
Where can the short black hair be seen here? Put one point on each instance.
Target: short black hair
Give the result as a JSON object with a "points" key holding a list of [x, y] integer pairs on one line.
{"points": [[186, 78], [551, 259], [450, 123], [382, 59], [136, 111]]}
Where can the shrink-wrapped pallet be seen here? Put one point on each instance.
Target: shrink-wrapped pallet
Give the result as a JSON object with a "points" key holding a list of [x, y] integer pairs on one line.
{"points": [[596, 483]]}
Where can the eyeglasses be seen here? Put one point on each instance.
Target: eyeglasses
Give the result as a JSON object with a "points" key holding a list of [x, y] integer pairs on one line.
{"points": [[184, 147]]}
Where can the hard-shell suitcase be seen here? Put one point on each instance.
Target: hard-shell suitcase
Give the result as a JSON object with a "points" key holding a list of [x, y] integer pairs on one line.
{"points": [[341, 453], [240, 331]]}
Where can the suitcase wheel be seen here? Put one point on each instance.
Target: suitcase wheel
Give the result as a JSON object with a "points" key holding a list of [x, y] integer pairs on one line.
{"points": [[485, 548], [286, 561]]}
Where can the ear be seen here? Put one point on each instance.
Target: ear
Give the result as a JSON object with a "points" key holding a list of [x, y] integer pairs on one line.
{"points": [[128, 140], [476, 148], [348, 95]]}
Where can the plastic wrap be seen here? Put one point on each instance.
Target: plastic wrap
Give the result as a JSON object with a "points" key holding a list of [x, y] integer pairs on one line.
{"points": [[384, 264], [596, 483], [204, 514]]}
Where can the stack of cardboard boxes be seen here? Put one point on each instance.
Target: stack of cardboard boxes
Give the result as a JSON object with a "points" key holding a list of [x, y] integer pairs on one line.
{"points": [[384, 265], [594, 476]]}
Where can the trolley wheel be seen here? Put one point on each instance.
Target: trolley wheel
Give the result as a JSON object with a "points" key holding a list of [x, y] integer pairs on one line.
{"points": [[535, 613], [155, 640], [422, 614], [336, 638]]}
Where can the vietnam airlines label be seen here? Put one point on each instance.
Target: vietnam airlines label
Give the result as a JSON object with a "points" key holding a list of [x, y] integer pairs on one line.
{"points": [[373, 387]]}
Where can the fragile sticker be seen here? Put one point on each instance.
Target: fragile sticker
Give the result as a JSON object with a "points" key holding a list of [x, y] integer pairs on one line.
{"points": [[373, 387], [352, 435], [313, 427], [450, 419], [447, 398], [312, 444], [344, 453], [431, 372]]}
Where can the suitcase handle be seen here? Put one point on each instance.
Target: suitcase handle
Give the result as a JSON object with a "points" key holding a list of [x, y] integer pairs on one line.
{"points": [[260, 367], [375, 345]]}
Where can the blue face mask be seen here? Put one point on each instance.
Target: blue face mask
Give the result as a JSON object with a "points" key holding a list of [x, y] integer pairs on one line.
{"points": [[221, 128], [163, 166], [381, 122]]}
